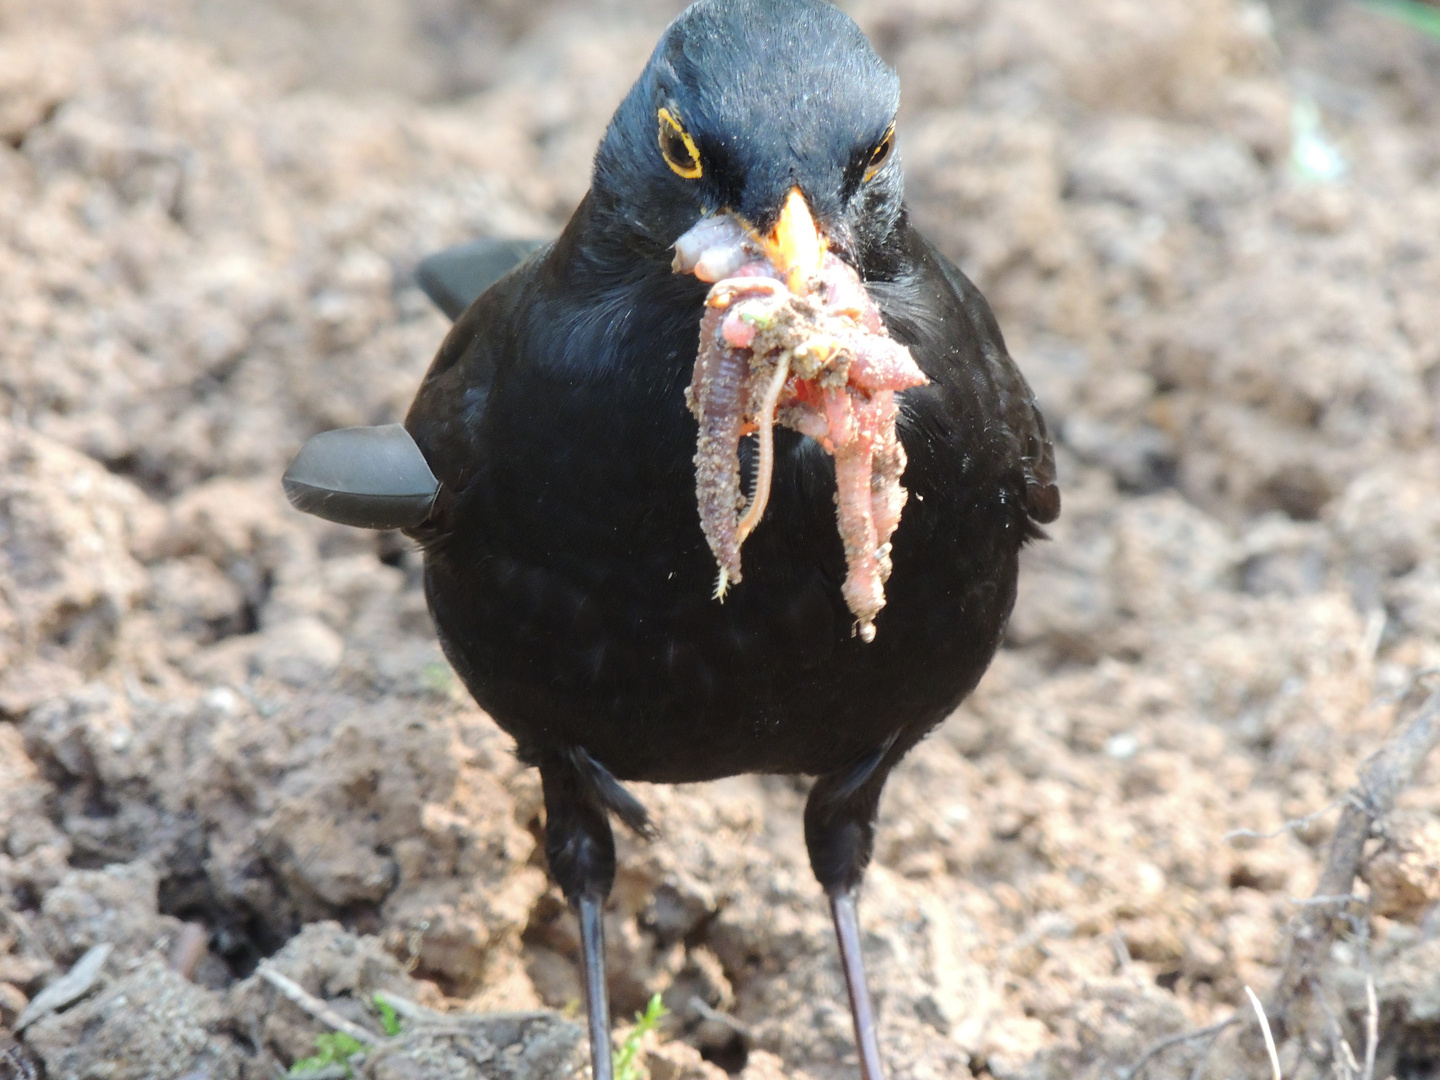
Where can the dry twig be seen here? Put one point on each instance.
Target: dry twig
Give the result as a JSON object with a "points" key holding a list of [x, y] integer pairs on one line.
{"points": [[1160, 1047], [1293, 825], [1343, 1063], [1381, 781], [317, 1008]]}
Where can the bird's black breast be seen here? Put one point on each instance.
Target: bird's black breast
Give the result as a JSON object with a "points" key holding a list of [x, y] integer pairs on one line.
{"points": [[571, 584]]}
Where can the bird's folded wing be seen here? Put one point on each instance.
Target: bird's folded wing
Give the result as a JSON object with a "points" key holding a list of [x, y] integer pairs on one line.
{"points": [[370, 477], [1018, 409]]}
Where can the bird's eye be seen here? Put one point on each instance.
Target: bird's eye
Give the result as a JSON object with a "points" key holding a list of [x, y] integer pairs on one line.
{"points": [[680, 151], [880, 155]]}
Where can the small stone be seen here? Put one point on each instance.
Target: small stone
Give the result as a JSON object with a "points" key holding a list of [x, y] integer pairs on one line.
{"points": [[24, 971], [679, 1061], [1404, 876], [300, 652], [763, 1065]]}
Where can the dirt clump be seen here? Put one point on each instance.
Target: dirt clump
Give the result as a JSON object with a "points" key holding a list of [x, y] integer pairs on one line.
{"points": [[1207, 231]]}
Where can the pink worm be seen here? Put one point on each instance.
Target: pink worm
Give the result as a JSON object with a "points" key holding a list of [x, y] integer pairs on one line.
{"points": [[864, 583]]}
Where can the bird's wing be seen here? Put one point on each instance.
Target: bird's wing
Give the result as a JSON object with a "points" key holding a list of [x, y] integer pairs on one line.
{"points": [[453, 278], [447, 417], [931, 297], [368, 477], [381, 477]]}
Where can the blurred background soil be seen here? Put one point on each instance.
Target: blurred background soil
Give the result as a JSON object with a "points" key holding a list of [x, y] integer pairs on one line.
{"points": [[1211, 231]]}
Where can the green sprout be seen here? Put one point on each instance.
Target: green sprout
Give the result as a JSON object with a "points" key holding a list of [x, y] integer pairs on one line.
{"points": [[336, 1048], [626, 1065], [389, 1020], [332, 1048]]}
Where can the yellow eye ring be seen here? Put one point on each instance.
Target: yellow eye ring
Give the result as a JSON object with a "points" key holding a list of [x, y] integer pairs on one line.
{"points": [[880, 155], [678, 149]]}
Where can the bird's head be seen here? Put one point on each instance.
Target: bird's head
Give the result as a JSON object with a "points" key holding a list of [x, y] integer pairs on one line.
{"points": [[777, 112]]}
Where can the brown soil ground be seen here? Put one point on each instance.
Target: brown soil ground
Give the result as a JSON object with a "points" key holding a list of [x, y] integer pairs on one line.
{"points": [[225, 724]]}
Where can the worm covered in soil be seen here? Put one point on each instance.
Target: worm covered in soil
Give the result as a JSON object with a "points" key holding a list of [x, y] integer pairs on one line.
{"points": [[818, 361]]}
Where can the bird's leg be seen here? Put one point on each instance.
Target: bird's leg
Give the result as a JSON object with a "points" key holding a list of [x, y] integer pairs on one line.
{"points": [[847, 932], [840, 836], [580, 849], [597, 1000]]}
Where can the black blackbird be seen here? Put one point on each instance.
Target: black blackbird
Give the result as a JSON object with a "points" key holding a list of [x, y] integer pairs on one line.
{"points": [[565, 566]]}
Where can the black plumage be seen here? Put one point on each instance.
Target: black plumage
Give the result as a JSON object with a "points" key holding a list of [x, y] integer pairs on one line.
{"points": [[570, 582]]}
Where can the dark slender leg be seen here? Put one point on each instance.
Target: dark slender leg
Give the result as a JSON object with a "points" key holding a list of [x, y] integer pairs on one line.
{"points": [[581, 851], [597, 1001], [840, 835], [847, 930]]}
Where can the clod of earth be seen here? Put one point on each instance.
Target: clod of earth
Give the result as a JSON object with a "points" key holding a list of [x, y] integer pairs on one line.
{"points": [[817, 360]]}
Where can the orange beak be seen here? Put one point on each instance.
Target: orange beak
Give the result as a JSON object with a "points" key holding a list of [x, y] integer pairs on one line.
{"points": [[795, 245]]}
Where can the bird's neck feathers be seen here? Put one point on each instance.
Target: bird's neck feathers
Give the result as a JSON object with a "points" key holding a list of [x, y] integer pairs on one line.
{"points": [[627, 316], [602, 250]]}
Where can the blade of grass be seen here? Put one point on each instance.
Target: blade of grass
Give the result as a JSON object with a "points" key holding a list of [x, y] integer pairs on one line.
{"points": [[627, 1063], [1265, 1029], [389, 1017]]}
